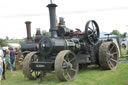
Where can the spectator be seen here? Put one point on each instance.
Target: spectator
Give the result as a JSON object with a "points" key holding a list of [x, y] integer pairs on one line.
{"points": [[1, 63], [12, 58], [1, 72], [7, 59], [16, 50]]}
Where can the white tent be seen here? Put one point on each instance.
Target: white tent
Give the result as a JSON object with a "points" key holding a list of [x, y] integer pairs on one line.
{"points": [[14, 45]]}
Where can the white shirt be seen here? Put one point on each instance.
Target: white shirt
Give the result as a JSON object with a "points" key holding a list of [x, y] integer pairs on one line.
{"points": [[1, 55]]}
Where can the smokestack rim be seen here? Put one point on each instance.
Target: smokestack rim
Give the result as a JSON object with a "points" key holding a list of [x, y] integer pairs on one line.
{"points": [[51, 5], [27, 22]]}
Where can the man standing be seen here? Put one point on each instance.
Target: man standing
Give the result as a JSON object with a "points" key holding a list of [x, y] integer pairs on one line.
{"points": [[12, 57]]}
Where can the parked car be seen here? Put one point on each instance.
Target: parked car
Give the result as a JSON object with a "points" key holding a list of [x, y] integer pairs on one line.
{"points": [[123, 43]]}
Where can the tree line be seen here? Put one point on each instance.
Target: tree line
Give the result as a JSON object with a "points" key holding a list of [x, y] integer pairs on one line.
{"points": [[3, 42], [116, 32]]}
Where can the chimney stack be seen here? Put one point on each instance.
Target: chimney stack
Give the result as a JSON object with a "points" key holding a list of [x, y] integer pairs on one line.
{"points": [[52, 14], [38, 35], [28, 28]]}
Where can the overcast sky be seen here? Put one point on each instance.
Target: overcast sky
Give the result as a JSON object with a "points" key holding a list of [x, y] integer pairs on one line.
{"points": [[109, 14]]}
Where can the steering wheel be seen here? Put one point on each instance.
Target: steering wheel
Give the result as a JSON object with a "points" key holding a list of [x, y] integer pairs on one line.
{"points": [[92, 32]]}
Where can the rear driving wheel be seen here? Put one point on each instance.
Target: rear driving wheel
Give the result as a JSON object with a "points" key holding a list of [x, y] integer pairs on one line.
{"points": [[108, 55], [66, 66]]}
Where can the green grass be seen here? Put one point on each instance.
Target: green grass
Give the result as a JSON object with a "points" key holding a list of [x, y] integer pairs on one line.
{"points": [[93, 75]]}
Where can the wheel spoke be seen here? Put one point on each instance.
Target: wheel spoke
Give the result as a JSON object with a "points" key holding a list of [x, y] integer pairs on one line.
{"points": [[112, 48], [67, 58], [68, 76], [90, 34], [90, 29], [92, 25], [91, 39], [111, 64], [114, 53], [72, 59], [65, 61], [94, 36], [114, 60], [94, 30], [64, 66], [73, 70]]}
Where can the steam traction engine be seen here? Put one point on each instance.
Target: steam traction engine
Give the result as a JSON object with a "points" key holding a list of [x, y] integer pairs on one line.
{"points": [[29, 45], [67, 50]]}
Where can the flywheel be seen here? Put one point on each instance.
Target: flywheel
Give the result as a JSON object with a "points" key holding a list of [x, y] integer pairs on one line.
{"points": [[92, 32]]}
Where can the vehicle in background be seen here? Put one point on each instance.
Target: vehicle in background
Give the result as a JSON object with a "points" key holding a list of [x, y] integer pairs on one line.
{"points": [[115, 38], [14, 45], [123, 43], [5, 48]]}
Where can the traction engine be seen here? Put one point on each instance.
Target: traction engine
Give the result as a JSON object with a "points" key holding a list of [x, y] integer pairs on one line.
{"points": [[65, 51]]}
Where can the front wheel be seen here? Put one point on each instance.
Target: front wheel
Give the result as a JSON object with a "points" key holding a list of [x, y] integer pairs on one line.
{"points": [[27, 71], [66, 65]]}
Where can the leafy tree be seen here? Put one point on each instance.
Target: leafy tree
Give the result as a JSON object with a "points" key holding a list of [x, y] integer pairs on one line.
{"points": [[44, 33], [3, 42], [116, 32], [124, 35], [7, 38]]}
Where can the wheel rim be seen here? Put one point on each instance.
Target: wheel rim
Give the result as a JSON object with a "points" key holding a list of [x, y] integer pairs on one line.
{"points": [[112, 54], [27, 71], [108, 55], [66, 66], [92, 32]]}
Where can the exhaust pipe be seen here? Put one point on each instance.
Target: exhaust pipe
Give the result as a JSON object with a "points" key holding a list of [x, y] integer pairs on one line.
{"points": [[61, 22], [38, 35], [28, 28], [52, 14]]}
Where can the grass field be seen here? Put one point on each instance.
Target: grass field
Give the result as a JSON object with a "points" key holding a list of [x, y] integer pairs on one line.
{"points": [[93, 75]]}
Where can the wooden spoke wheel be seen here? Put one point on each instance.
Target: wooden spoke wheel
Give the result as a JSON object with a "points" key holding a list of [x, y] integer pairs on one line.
{"points": [[66, 66], [108, 55], [27, 71]]}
